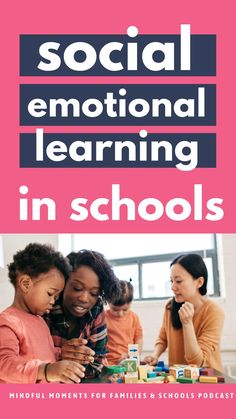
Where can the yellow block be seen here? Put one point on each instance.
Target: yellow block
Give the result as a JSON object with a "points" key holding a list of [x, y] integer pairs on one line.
{"points": [[207, 379]]}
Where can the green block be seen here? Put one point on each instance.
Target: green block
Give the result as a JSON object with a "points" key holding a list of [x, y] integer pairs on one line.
{"points": [[186, 380], [130, 365]]}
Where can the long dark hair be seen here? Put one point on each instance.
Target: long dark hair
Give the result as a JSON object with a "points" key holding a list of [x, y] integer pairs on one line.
{"points": [[195, 266]]}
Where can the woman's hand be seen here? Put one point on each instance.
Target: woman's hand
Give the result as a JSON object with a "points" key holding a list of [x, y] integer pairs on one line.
{"points": [[186, 313], [76, 350], [64, 372], [151, 360]]}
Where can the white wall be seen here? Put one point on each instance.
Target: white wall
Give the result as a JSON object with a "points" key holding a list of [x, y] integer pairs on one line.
{"points": [[150, 312]]}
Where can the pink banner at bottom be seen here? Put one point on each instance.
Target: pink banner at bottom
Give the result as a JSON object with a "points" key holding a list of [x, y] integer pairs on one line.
{"points": [[115, 401]]}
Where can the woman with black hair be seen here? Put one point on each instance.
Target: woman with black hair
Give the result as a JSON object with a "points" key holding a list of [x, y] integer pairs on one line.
{"points": [[77, 321], [192, 322]]}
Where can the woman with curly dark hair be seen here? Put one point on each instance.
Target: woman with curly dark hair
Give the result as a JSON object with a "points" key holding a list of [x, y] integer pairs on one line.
{"points": [[77, 322]]}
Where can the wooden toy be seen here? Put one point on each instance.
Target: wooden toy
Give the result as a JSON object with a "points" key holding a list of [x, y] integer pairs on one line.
{"points": [[131, 378], [176, 371], [151, 374], [220, 379], [130, 364], [191, 372], [186, 380], [133, 351], [161, 364], [170, 379], [154, 380], [208, 379], [143, 370], [207, 371]]}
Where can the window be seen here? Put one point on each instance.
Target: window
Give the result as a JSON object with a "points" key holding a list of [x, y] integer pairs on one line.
{"points": [[146, 258]]}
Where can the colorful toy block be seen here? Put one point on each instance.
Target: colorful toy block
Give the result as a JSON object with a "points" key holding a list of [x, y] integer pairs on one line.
{"points": [[208, 379], [143, 370], [220, 379], [161, 364], [151, 374], [176, 371], [158, 369], [170, 379], [133, 351], [155, 380], [191, 372], [186, 380], [131, 378], [130, 364], [207, 371]]}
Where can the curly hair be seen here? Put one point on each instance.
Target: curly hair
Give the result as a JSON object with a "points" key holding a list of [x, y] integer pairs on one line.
{"points": [[110, 285], [37, 259]]}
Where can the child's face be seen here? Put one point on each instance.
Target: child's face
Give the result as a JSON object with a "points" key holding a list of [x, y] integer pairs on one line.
{"points": [[43, 291], [81, 291], [119, 311]]}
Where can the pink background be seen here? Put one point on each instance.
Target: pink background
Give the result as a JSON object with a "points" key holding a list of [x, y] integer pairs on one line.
{"points": [[63, 185], [181, 407]]}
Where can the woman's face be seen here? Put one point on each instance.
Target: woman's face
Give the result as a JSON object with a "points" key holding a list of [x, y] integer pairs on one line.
{"points": [[81, 291], [183, 285]]}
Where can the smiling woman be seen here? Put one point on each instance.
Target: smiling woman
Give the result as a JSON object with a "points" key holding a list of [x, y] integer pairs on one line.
{"points": [[77, 322]]}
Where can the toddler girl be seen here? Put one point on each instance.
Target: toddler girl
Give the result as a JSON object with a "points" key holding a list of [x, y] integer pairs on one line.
{"points": [[123, 325], [27, 353]]}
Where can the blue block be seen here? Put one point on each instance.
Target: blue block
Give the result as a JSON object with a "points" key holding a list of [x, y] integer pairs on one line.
{"points": [[158, 369], [161, 364], [151, 374]]}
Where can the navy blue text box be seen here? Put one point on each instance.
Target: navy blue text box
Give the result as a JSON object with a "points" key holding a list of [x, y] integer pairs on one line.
{"points": [[203, 55], [146, 92], [206, 144]]}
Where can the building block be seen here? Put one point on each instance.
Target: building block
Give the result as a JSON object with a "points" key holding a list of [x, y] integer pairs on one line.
{"points": [[161, 364], [131, 378], [220, 379], [207, 371], [143, 370], [170, 379], [208, 379], [176, 371], [158, 369], [133, 351], [130, 364], [191, 372], [186, 380], [151, 374], [155, 380]]}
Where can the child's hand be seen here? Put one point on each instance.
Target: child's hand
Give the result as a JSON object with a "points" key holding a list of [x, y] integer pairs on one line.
{"points": [[76, 350], [65, 372], [151, 360]]}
